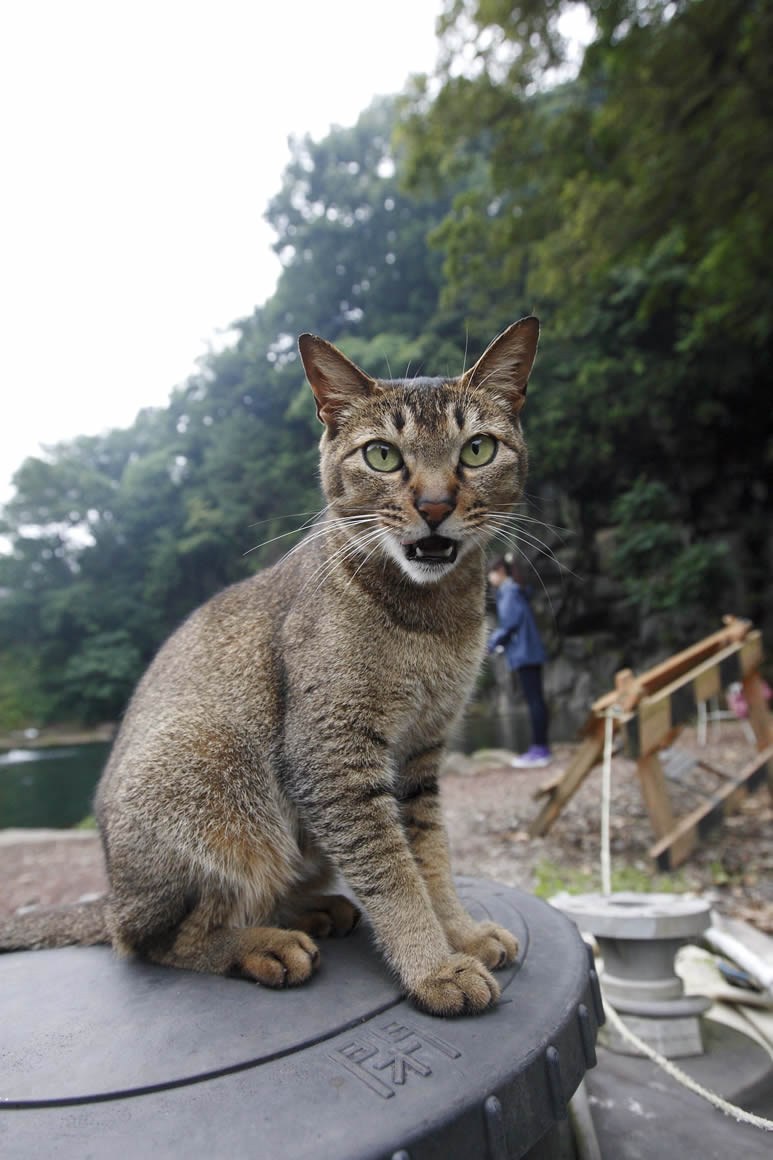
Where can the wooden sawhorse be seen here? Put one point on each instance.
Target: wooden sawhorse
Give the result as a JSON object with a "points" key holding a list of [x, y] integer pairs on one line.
{"points": [[650, 710]]}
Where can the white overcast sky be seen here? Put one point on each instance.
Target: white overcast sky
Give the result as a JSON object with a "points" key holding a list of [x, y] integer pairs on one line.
{"points": [[139, 144]]}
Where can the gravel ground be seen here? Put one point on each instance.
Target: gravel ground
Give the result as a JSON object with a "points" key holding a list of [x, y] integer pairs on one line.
{"points": [[488, 807]]}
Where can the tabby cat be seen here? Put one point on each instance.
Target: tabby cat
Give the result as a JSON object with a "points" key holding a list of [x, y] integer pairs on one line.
{"points": [[293, 727]]}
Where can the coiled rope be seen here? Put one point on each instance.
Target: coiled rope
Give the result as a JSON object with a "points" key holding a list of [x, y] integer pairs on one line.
{"points": [[682, 1077], [676, 1073]]}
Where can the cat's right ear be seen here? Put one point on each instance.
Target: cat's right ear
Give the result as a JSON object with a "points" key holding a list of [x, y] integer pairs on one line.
{"points": [[334, 379], [505, 365]]}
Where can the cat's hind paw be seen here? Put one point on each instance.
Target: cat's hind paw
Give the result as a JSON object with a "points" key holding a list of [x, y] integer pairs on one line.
{"points": [[461, 985], [277, 958], [330, 915], [489, 942]]}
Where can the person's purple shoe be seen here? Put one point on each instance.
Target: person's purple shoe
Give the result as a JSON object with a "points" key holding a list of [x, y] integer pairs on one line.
{"points": [[536, 757]]}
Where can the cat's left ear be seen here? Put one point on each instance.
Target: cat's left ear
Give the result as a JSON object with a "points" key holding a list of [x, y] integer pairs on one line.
{"points": [[334, 379], [504, 367]]}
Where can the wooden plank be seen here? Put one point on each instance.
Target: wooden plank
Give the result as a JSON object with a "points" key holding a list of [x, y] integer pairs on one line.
{"points": [[655, 793], [708, 684], [654, 725], [674, 847], [670, 707], [588, 753], [673, 667], [667, 692], [547, 786], [759, 715], [751, 652]]}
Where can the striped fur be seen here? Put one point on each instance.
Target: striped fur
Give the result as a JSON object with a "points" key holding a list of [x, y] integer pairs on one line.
{"points": [[293, 727]]}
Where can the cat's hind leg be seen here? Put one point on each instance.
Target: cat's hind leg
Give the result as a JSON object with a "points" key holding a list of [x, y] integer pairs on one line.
{"points": [[267, 954], [201, 932], [202, 849], [327, 915], [311, 907]]}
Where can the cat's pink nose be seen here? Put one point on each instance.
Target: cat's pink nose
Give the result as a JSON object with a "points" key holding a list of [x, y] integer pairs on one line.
{"points": [[435, 511]]}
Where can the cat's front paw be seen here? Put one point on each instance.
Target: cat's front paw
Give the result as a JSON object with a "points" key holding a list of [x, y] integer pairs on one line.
{"points": [[487, 941], [461, 985]]}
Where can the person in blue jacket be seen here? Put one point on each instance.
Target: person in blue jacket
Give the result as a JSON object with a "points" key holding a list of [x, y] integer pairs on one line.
{"points": [[518, 637]]}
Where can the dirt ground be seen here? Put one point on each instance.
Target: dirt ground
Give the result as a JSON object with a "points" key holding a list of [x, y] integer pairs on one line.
{"points": [[488, 807]]}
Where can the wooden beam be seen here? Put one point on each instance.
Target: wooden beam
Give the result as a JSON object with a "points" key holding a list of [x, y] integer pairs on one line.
{"points": [[751, 653], [759, 716], [547, 786], [674, 847], [655, 793], [673, 667], [676, 703], [588, 753]]}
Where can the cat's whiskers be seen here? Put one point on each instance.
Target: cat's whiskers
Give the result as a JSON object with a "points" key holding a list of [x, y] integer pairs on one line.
{"points": [[514, 544], [519, 542], [290, 516], [380, 539], [510, 522], [508, 530], [293, 531], [516, 528], [350, 553], [329, 563], [508, 511], [324, 529], [350, 547], [481, 543]]}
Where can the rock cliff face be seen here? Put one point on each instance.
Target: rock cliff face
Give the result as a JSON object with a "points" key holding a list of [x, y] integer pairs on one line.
{"points": [[592, 628], [582, 668]]}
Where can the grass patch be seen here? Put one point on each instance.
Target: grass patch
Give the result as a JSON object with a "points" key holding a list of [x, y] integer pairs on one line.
{"points": [[550, 879], [87, 823]]}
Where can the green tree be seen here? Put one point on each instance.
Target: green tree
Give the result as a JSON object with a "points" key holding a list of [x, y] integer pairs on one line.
{"points": [[629, 207], [117, 538]]}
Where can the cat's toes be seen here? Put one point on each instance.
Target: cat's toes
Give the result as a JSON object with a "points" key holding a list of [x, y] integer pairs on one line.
{"points": [[460, 986], [345, 914], [332, 915], [317, 923], [285, 959], [491, 943]]}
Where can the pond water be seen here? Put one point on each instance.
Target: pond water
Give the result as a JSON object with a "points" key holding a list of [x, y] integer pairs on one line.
{"points": [[55, 786], [49, 787], [485, 728]]}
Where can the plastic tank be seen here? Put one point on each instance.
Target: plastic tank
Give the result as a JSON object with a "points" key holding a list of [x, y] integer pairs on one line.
{"points": [[103, 1057]]}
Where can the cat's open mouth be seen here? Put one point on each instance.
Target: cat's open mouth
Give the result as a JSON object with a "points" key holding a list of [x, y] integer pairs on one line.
{"points": [[432, 550]]}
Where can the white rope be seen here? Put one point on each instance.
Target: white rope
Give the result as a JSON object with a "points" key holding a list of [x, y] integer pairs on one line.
{"points": [[606, 794], [682, 1077], [671, 1069]]}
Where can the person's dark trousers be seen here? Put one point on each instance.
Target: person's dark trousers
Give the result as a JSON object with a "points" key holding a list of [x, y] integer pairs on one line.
{"points": [[530, 677]]}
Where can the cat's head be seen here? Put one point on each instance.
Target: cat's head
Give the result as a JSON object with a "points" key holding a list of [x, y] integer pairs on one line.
{"points": [[418, 469]]}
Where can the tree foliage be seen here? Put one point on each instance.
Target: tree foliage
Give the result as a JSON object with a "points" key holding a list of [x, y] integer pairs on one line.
{"points": [[629, 206], [627, 200], [116, 538]]}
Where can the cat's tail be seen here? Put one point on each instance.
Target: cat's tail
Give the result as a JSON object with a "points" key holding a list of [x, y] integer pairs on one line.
{"points": [[84, 924]]}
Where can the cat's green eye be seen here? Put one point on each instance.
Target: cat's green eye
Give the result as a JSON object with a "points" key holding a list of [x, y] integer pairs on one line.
{"points": [[478, 451], [382, 456]]}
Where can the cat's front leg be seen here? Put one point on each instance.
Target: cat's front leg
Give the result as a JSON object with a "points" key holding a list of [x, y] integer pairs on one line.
{"points": [[355, 817], [425, 828]]}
